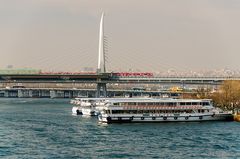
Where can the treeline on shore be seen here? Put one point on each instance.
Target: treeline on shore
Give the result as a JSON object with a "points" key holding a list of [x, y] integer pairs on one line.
{"points": [[227, 97]]}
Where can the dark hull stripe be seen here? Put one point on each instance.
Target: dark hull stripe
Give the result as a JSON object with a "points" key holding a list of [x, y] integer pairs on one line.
{"points": [[169, 119]]}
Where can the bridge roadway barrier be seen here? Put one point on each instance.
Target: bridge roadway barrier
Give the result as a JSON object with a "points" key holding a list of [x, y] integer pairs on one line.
{"points": [[174, 80]]}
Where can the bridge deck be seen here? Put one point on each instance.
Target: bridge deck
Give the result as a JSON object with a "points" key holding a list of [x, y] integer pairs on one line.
{"points": [[108, 78]]}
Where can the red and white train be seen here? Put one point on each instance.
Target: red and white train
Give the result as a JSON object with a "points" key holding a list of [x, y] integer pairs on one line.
{"points": [[133, 74]]}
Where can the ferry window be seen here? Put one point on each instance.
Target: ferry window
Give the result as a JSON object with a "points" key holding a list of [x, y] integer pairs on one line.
{"points": [[194, 103], [146, 111], [188, 103], [182, 103], [126, 111], [133, 112], [114, 111], [205, 103], [115, 103], [150, 103], [142, 103]]}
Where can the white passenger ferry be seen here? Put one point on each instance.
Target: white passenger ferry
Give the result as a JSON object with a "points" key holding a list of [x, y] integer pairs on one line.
{"points": [[91, 106], [85, 106], [161, 110]]}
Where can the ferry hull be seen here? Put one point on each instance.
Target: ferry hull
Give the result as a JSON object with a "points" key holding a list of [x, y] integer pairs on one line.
{"points": [[89, 112], [158, 119]]}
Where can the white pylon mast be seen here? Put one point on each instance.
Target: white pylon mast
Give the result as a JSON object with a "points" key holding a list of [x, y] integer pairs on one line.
{"points": [[101, 59]]}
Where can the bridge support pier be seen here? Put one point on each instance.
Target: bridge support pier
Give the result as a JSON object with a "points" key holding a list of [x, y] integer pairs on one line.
{"points": [[6, 94], [53, 94], [24, 93], [101, 90]]}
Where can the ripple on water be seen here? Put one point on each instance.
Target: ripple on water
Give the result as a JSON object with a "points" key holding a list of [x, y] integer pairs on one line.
{"points": [[45, 128]]}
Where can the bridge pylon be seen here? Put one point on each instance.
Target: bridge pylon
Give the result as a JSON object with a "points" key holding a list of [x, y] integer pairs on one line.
{"points": [[101, 69]]}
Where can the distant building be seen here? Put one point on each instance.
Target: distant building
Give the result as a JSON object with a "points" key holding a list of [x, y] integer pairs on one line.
{"points": [[19, 71], [9, 66], [88, 69]]}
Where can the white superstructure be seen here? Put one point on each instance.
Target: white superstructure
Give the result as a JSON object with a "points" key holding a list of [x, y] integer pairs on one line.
{"points": [[85, 106], [160, 110], [91, 106]]}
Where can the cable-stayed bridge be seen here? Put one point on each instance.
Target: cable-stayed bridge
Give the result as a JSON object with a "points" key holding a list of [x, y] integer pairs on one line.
{"points": [[101, 77]]}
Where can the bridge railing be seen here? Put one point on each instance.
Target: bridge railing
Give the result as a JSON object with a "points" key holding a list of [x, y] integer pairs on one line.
{"points": [[180, 78]]}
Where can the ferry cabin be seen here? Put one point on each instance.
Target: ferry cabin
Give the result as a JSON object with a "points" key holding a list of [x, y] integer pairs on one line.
{"points": [[161, 110], [90, 106]]}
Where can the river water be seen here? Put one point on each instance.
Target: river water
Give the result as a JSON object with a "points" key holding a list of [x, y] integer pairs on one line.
{"points": [[45, 128]]}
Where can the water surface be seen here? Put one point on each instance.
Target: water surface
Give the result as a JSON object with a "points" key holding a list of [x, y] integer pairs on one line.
{"points": [[45, 128]]}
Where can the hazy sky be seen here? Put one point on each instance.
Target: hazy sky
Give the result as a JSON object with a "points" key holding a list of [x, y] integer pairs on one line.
{"points": [[141, 34]]}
